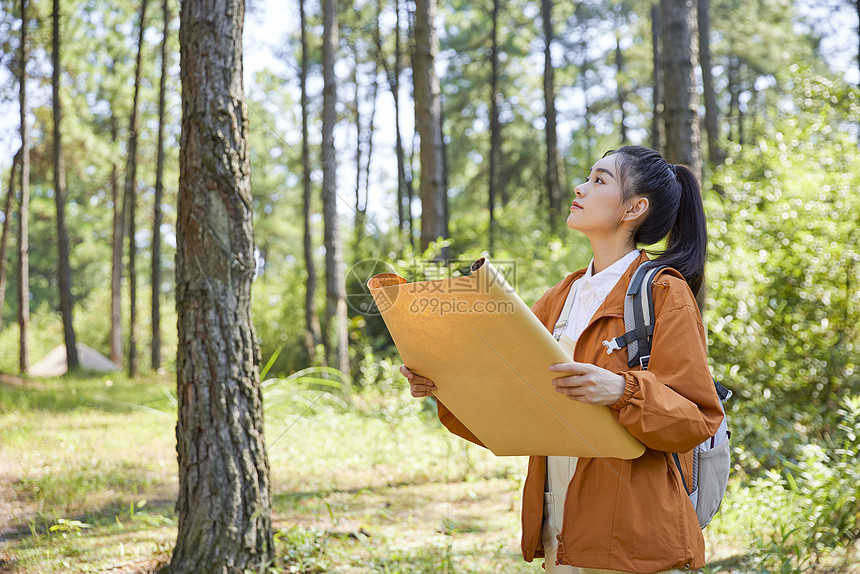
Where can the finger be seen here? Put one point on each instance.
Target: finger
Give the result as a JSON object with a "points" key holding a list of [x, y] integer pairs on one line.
{"points": [[424, 384], [570, 381], [570, 367], [405, 372], [420, 392]]}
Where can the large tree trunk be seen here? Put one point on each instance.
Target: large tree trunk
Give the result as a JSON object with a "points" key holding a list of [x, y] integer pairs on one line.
{"points": [[313, 336], [64, 270], [681, 118], [335, 277], [495, 131], [116, 255], [155, 355], [24, 205], [131, 202], [656, 80], [681, 100], [7, 228], [225, 516], [428, 120], [715, 153]]}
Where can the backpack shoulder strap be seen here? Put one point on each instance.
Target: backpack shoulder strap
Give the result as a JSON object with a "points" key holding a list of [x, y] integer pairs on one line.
{"points": [[638, 318]]}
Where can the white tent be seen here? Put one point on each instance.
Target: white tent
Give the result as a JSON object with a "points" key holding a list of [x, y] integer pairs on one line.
{"points": [[54, 363]]}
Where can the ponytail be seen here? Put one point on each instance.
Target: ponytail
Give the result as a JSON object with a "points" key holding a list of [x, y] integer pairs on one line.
{"points": [[687, 246], [674, 210]]}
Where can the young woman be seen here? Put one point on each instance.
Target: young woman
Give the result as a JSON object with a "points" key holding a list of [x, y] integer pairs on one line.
{"points": [[592, 515]]}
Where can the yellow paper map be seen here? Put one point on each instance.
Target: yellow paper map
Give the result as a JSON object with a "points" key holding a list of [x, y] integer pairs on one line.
{"points": [[489, 356]]}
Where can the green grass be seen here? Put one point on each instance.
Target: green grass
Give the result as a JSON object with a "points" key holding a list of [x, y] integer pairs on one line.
{"points": [[88, 483], [378, 487]]}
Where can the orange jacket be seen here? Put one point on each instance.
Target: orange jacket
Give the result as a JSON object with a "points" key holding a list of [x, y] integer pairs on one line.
{"points": [[632, 515]]}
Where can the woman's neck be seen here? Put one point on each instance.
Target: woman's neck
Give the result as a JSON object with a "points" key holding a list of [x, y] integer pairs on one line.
{"points": [[608, 251]]}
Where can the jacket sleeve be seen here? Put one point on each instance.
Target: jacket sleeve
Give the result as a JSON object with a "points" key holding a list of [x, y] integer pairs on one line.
{"points": [[673, 406], [454, 425], [447, 418]]}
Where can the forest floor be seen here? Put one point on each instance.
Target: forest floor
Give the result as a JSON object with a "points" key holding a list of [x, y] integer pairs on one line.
{"points": [[88, 483]]}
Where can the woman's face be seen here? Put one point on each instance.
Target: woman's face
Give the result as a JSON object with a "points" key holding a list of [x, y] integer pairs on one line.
{"points": [[597, 206]]}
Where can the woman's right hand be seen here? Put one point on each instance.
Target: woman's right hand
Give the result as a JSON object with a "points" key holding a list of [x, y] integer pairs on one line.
{"points": [[420, 386]]}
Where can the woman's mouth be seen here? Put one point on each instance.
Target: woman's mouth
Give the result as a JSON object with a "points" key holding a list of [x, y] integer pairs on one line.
{"points": [[574, 206]]}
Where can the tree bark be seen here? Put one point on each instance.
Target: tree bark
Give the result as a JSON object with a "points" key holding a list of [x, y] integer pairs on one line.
{"points": [[224, 492], [681, 118], [64, 269], [359, 140], [619, 87], [680, 115], [656, 79], [715, 153], [131, 201], [155, 351], [404, 184], [313, 336], [428, 113], [734, 94], [24, 205], [554, 162], [116, 255], [7, 229], [495, 131], [335, 276]]}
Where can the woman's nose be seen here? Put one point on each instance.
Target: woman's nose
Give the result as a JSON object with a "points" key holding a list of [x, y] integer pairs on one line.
{"points": [[577, 191]]}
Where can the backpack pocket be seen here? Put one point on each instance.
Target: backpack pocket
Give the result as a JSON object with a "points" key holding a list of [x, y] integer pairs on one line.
{"points": [[714, 466]]}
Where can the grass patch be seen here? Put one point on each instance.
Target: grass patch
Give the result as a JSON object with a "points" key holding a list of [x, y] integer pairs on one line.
{"points": [[88, 482]]}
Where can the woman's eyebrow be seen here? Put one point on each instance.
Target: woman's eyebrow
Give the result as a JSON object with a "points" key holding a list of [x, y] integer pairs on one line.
{"points": [[606, 171]]}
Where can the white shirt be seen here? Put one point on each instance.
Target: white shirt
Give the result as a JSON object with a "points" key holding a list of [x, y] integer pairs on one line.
{"points": [[593, 291], [590, 295]]}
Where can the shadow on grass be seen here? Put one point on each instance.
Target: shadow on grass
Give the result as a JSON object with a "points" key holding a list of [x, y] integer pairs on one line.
{"points": [[108, 392], [735, 563]]}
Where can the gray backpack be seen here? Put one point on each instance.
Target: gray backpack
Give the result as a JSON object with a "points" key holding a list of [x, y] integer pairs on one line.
{"points": [[711, 459]]}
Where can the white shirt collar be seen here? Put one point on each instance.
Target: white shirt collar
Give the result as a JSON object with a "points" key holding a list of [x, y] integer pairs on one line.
{"points": [[603, 282]]}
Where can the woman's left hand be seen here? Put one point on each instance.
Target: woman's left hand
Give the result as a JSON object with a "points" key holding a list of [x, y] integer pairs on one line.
{"points": [[588, 383]]}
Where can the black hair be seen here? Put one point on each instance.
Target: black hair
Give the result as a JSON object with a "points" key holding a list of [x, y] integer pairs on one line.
{"points": [[674, 209]]}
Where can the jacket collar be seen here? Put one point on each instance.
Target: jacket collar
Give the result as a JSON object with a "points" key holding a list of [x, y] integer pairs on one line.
{"points": [[614, 303]]}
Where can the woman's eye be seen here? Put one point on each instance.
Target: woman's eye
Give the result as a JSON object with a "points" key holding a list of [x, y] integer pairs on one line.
{"points": [[598, 180]]}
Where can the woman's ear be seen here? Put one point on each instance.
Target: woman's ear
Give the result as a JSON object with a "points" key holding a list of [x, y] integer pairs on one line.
{"points": [[636, 208]]}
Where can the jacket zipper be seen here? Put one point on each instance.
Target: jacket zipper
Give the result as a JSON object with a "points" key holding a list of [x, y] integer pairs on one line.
{"points": [[559, 537]]}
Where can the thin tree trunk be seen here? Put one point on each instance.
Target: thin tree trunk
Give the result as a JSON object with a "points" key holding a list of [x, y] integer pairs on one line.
{"points": [[495, 135], [554, 162], [410, 192], [131, 201], [24, 205], [358, 221], [715, 153], [404, 185], [335, 277], [7, 229], [116, 255], [371, 127], [225, 512], [732, 78], [155, 356], [313, 336], [619, 87], [656, 79], [680, 116], [64, 270], [428, 111]]}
